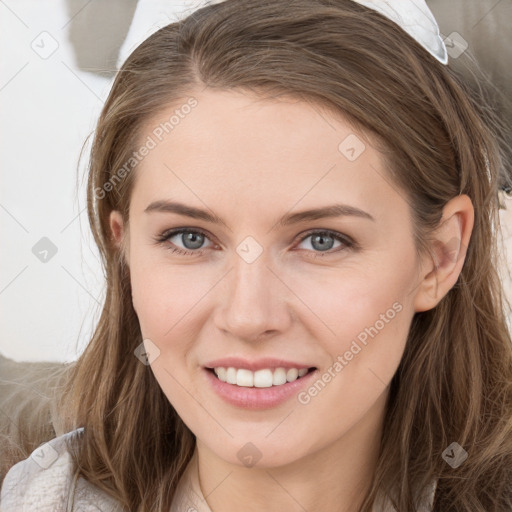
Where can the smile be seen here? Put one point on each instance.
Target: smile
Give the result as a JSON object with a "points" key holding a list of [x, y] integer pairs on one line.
{"points": [[264, 378], [256, 390]]}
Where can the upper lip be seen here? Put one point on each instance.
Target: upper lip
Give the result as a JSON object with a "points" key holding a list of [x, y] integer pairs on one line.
{"points": [[254, 365]]}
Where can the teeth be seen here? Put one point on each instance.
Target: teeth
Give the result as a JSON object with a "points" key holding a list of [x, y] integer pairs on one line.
{"points": [[259, 379]]}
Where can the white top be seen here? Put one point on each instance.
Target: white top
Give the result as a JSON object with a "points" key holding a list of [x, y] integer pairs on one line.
{"points": [[44, 482]]}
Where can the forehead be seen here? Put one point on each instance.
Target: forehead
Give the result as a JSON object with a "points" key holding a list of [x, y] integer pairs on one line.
{"points": [[238, 146]]}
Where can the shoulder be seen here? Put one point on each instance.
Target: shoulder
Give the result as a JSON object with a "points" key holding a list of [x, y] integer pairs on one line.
{"points": [[45, 482], [41, 481]]}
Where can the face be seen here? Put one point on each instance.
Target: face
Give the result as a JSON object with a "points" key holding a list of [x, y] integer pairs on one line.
{"points": [[331, 292]]}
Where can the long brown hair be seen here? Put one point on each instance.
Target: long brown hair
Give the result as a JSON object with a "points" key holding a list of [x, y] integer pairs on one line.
{"points": [[454, 382]]}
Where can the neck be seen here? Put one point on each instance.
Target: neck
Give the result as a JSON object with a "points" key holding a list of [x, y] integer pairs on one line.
{"points": [[333, 477]]}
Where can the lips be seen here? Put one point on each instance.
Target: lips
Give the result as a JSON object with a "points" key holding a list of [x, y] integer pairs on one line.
{"points": [[257, 398], [255, 365]]}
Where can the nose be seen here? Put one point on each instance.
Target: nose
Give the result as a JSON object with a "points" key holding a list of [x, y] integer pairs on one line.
{"points": [[253, 301]]}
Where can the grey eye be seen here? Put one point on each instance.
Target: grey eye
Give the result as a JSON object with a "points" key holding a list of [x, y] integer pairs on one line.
{"points": [[191, 240], [321, 241]]}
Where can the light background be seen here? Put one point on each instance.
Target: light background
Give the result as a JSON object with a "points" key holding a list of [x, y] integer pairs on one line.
{"points": [[48, 107]]}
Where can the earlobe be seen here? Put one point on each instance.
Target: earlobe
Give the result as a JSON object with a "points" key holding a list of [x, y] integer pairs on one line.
{"points": [[119, 234], [449, 247], [116, 227]]}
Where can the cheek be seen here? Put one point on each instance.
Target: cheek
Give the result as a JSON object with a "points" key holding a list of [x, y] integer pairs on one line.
{"points": [[353, 302], [165, 297], [369, 319], [365, 318]]}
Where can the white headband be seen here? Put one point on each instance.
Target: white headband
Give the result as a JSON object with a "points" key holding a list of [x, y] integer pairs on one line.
{"points": [[413, 16], [416, 19]]}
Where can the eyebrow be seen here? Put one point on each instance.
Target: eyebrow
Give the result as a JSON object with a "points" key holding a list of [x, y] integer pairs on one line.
{"points": [[335, 210]]}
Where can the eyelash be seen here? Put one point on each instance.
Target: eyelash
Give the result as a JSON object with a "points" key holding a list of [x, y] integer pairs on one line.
{"points": [[163, 239]]}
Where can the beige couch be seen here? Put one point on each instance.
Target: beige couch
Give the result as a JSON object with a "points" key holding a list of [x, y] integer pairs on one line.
{"points": [[28, 415]]}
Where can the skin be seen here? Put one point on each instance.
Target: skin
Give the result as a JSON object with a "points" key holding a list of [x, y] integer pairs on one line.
{"points": [[251, 161]]}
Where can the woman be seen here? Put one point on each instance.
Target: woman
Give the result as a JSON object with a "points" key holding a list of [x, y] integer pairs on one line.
{"points": [[242, 360]]}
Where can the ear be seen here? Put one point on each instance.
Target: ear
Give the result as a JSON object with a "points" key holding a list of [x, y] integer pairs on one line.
{"points": [[449, 246], [117, 228]]}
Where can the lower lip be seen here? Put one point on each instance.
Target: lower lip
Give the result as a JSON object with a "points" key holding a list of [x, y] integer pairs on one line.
{"points": [[257, 398]]}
